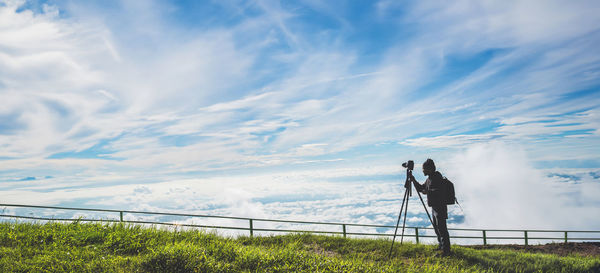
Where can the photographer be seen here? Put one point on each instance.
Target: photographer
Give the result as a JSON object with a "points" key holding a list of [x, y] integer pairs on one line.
{"points": [[435, 191]]}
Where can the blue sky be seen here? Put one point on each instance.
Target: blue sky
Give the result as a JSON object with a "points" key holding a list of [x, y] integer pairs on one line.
{"points": [[117, 103]]}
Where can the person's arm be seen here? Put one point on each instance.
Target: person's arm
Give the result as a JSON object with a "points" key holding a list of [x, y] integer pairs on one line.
{"points": [[419, 187]]}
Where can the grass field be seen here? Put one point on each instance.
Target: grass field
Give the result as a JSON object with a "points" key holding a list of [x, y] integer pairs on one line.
{"points": [[79, 247]]}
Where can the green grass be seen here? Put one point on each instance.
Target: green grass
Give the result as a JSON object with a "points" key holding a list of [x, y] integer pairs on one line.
{"points": [[78, 247]]}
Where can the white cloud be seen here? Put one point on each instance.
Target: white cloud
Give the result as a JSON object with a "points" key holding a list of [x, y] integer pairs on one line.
{"points": [[449, 141], [197, 84], [510, 23], [499, 188]]}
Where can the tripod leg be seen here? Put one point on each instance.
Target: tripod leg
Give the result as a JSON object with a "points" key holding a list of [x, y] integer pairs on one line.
{"points": [[404, 223], [404, 200], [427, 211]]}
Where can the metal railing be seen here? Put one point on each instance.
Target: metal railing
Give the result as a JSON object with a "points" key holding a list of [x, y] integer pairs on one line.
{"points": [[251, 228]]}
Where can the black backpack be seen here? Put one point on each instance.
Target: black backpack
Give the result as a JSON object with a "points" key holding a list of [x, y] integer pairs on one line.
{"points": [[449, 197]]}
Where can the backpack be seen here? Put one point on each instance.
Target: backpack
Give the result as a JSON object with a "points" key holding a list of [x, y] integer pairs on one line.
{"points": [[449, 197]]}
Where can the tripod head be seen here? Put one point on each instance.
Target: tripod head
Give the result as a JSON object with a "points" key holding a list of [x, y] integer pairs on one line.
{"points": [[409, 165]]}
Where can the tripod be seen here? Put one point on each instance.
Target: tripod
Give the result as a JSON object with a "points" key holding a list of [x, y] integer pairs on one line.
{"points": [[407, 195]]}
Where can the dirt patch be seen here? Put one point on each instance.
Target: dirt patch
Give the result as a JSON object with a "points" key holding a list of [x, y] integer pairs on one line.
{"points": [[562, 249], [315, 248]]}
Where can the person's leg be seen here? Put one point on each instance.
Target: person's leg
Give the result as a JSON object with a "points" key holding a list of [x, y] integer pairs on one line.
{"points": [[435, 224], [441, 215], [445, 236]]}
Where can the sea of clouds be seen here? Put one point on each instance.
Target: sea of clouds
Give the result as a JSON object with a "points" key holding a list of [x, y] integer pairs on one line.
{"points": [[496, 185]]}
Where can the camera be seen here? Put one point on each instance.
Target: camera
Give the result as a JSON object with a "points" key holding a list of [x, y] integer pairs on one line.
{"points": [[409, 165]]}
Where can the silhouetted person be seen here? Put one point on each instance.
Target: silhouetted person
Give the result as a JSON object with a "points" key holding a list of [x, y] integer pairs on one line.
{"points": [[436, 191]]}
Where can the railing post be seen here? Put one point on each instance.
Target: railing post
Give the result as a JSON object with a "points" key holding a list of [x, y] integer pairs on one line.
{"points": [[417, 234], [526, 239], [251, 229], [566, 238], [344, 229], [121, 216], [484, 238]]}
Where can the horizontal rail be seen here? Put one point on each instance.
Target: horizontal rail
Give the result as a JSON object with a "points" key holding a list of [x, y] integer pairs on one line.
{"points": [[344, 232], [195, 215], [58, 219]]}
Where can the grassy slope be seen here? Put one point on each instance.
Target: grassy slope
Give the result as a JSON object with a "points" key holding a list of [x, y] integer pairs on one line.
{"points": [[77, 247]]}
